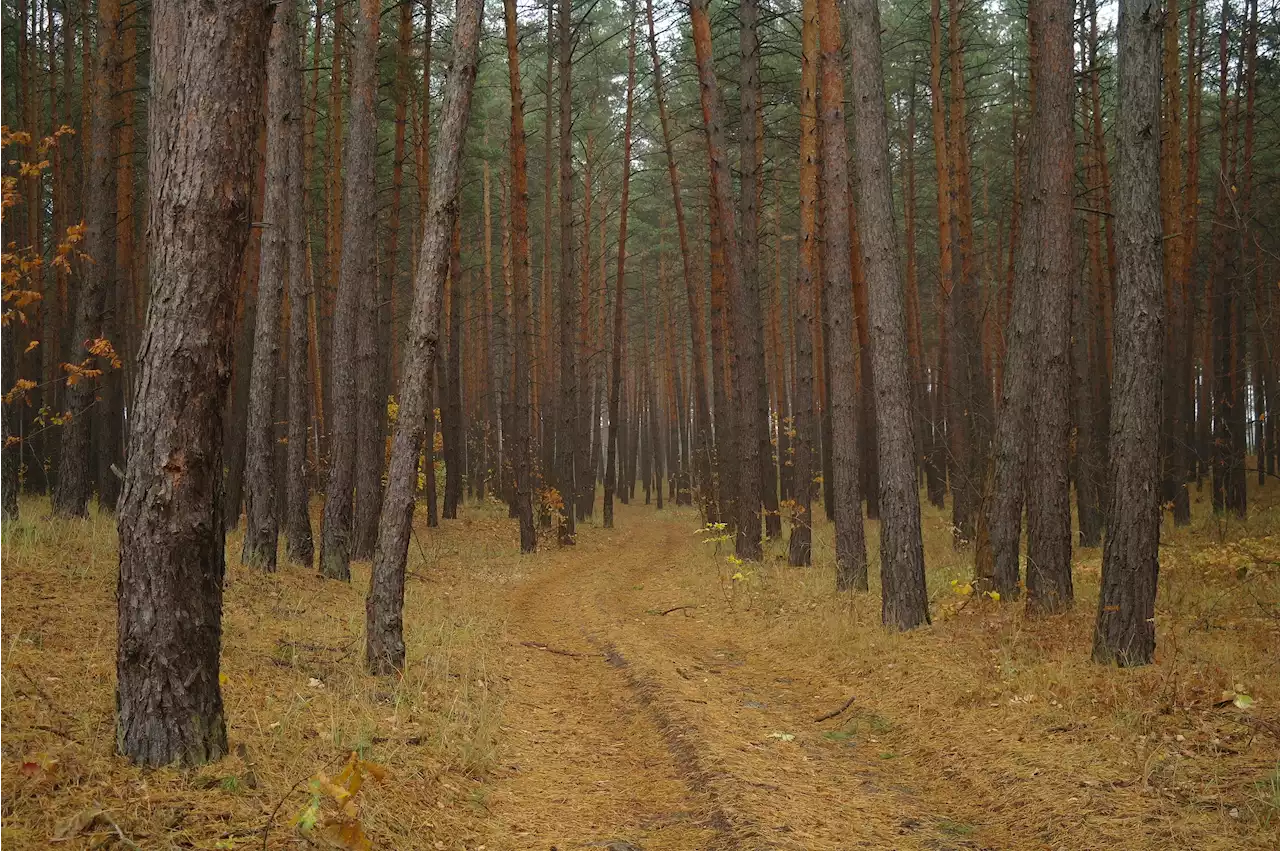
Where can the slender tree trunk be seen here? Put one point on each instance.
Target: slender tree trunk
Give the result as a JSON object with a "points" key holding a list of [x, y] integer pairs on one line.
{"points": [[261, 521], [701, 442], [206, 78], [799, 551], [75, 479], [1125, 630], [566, 451], [619, 299], [905, 604], [357, 280], [750, 344], [384, 629], [300, 548], [746, 325], [1049, 585], [851, 544], [451, 425]]}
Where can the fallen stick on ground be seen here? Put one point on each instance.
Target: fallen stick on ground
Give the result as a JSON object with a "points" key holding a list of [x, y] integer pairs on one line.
{"points": [[676, 609], [537, 645], [831, 715]]}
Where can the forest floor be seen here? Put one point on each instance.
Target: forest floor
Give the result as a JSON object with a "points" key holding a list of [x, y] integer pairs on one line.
{"points": [[631, 690]]}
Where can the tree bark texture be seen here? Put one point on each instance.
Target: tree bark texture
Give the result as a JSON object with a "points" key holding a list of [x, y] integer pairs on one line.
{"points": [[207, 74]]}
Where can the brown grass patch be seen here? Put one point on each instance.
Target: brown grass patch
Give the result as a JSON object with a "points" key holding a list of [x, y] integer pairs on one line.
{"points": [[297, 698], [1005, 722]]}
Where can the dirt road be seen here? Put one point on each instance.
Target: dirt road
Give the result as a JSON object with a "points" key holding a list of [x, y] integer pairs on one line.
{"points": [[636, 713]]}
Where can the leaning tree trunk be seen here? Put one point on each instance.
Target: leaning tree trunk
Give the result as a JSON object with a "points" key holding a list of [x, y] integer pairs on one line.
{"points": [[207, 72], [261, 522], [75, 479], [1125, 630], [384, 625], [851, 542], [901, 552], [357, 273]]}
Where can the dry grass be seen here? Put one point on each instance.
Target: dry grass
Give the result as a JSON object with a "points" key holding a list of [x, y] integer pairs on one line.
{"points": [[1004, 721], [297, 698]]}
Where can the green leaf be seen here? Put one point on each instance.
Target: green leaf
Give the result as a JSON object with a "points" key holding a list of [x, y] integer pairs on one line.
{"points": [[1243, 701]]}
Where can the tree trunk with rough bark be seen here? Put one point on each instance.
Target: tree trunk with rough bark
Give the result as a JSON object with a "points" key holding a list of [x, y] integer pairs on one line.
{"points": [[261, 521], [357, 277], [384, 625], [851, 543], [1125, 629], [904, 602], [207, 73], [799, 549]]}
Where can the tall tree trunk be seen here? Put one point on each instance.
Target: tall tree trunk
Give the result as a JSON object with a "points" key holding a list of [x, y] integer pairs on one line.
{"points": [[384, 629], [615, 371], [356, 283], [568, 425], [207, 72], [75, 479], [1049, 586], [799, 550], [701, 442], [746, 325], [300, 547], [904, 602], [1125, 630], [851, 544], [750, 343], [261, 521]]}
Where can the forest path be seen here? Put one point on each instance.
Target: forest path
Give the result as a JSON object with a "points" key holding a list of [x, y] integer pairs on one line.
{"points": [[679, 730]]}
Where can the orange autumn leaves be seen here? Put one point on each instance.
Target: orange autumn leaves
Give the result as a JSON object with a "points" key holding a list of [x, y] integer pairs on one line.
{"points": [[20, 267]]}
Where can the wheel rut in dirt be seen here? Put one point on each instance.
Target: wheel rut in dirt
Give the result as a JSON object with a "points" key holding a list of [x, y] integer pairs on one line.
{"points": [[682, 731]]}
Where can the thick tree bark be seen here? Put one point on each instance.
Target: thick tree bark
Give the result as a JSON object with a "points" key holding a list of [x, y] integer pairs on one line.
{"points": [[904, 602], [1125, 629], [207, 72], [261, 521], [851, 543], [746, 325], [384, 627], [75, 478], [357, 278], [799, 550]]}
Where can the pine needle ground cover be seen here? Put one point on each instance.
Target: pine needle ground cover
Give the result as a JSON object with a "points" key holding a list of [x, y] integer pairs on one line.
{"points": [[644, 686], [297, 701]]}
